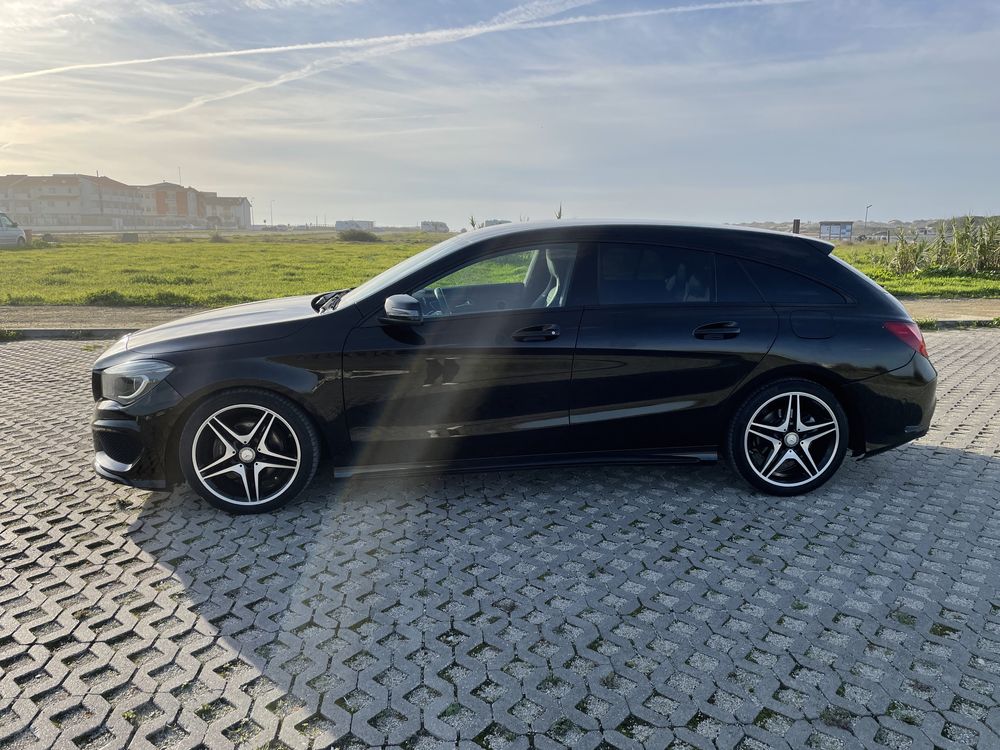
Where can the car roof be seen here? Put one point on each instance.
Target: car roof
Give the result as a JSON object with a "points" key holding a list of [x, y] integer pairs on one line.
{"points": [[501, 230]]}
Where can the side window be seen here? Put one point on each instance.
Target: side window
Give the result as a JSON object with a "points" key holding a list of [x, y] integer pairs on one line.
{"points": [[511, 268], [786, 287], [654, 274], [4, 221], [516, 280], [733, 283]]}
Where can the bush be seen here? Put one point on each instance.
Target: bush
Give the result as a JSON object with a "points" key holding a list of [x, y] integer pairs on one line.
{"points": [[972, 247], [218, 238], [358, 235]]}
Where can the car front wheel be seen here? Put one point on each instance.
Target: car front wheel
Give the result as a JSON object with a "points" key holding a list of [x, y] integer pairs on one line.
{"points": [[788, 438], [248, 451]]}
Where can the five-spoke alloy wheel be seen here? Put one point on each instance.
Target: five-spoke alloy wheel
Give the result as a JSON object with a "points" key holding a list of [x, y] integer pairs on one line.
{"points": [[788, 438], [248, 451]]}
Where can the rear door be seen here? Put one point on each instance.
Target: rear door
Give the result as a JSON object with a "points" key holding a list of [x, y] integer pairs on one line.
{"points": [[674, 331]]}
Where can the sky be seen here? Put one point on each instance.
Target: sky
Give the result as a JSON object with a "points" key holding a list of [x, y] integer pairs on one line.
{"points": [[405, 110]]}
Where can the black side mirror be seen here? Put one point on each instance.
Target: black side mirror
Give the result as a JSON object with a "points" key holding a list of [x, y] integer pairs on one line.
{"points": [[402, 309], [14, 224]]}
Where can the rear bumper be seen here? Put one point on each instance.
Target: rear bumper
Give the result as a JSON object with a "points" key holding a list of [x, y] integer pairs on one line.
{"points": [[895, 407]]}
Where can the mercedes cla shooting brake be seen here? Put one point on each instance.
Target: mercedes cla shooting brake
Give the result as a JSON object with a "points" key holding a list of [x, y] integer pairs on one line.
{"points": [[527, 345]]}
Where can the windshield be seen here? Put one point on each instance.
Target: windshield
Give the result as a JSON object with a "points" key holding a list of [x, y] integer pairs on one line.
{"points": [[402, 269]]}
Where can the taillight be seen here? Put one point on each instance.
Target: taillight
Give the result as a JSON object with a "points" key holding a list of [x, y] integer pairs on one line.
{"points": [[909, 333]]}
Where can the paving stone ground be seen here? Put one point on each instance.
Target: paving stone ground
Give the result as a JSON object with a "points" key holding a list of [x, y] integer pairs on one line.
{"points": [[612, 607]]}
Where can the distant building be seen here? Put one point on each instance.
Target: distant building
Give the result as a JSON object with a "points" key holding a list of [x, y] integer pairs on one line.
{"points": [[78, 201], [495, 222], [836, 231], [433, 226], [354, 224]]}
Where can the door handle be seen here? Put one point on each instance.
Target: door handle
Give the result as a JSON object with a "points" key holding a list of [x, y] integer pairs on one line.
{"points": [[728, 329], [545, 332]]}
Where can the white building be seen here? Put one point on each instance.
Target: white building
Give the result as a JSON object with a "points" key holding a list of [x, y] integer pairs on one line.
{"points": [[354, 224], [433, 226]]}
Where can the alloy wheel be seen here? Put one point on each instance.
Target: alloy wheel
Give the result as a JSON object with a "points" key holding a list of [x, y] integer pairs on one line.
{"points": [[791, 439], [246, 454]]}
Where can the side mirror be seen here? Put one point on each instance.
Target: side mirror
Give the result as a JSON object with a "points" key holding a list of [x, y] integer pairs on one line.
{"points": [[402, 309], [14, 224]]}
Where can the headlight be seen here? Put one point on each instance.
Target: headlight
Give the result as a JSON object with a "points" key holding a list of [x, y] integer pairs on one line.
{"points": [[128, 381]]}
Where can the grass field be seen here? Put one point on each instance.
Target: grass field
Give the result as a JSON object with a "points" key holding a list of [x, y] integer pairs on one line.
{"points": [[199, 272], [195, 271]]}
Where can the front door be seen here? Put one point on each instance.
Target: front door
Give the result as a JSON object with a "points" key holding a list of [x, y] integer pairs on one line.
{"points": [[485, 374], [675, 331]]}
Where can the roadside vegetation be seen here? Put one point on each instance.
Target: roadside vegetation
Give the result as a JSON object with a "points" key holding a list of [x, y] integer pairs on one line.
{"points": [[963, 260], [222, 269]]}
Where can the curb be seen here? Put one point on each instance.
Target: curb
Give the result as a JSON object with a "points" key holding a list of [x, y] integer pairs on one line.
{"points": [[23, 334]]}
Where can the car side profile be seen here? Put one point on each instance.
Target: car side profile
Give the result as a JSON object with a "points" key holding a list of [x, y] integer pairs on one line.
{"points": [[527, 345]]}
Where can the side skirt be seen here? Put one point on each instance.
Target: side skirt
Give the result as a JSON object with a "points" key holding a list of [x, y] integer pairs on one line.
{"points": [[617, 458]]}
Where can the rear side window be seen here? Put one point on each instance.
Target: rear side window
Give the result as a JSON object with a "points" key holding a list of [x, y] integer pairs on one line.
{"points": [[654, 274], [733, 283], [786, 287]]}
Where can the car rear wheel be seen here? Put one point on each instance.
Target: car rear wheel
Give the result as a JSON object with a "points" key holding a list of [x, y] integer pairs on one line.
{"points": [[248, 451], [788, 438], [20, 242]]}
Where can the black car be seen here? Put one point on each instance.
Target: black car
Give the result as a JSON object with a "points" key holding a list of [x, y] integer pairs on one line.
{"points": [[527, 345]]}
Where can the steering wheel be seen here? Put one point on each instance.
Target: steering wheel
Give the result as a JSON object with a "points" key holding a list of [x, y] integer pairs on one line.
{"points": [[442, 301]]}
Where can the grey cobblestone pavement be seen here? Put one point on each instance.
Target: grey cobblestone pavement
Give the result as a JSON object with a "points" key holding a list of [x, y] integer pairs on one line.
{"points": [[623, 607]]}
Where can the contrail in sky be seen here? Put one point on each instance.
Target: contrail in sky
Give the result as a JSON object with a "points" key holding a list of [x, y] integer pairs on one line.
{"points": [[419, 38]]}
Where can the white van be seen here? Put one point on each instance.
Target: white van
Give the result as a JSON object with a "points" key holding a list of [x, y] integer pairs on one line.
{"points": [[10, 235]]}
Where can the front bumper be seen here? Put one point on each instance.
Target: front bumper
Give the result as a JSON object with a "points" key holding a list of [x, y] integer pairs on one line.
{"points": [[895, 407], [131, 443]]}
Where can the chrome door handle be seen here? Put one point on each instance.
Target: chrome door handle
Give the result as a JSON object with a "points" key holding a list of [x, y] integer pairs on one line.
{"points": [[545, 332], [728, 329]]}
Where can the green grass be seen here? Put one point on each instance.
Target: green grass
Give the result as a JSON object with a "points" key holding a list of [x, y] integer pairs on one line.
{"points": [[870, 260], [194, 271], [198, 272]]}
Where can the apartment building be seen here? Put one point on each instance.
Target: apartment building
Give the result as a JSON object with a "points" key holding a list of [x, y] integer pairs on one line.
{"points": [[76, 201]]}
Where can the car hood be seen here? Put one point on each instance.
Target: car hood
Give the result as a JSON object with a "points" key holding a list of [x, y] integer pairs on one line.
{"points": [[239, 324]]}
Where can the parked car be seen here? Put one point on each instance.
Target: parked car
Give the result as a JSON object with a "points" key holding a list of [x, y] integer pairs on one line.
{"points": [[527, 345], [10, 234]]}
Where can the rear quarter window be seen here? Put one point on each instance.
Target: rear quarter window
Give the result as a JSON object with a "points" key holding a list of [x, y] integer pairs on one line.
{"points": [[783, 287]]}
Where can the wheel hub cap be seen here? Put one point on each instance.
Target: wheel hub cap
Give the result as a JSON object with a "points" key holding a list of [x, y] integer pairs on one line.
{"points": [[246, 453], [791, 439]]}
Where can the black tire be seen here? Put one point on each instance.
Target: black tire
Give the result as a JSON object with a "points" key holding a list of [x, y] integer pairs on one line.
{"points": [[21, 242], [272, 465], [773, 454]]}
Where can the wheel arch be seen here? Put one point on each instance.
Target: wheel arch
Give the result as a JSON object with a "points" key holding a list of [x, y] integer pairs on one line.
{"points": [[171, 458], [822, 376]]}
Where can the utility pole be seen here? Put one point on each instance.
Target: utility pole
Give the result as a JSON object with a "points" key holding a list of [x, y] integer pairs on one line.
{"points": [[272, 212], [179, 182], [866, 217]]}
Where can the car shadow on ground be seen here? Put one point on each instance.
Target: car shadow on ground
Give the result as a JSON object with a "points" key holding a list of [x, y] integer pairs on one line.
{"points": [[642, 603]]}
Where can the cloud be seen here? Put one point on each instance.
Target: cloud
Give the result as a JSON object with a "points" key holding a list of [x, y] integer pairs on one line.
{"points": [[436, 36]]}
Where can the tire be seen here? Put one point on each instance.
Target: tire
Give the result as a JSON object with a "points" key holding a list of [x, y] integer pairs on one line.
{"points": [[788, 438], [20, 242], [269, 441]]}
